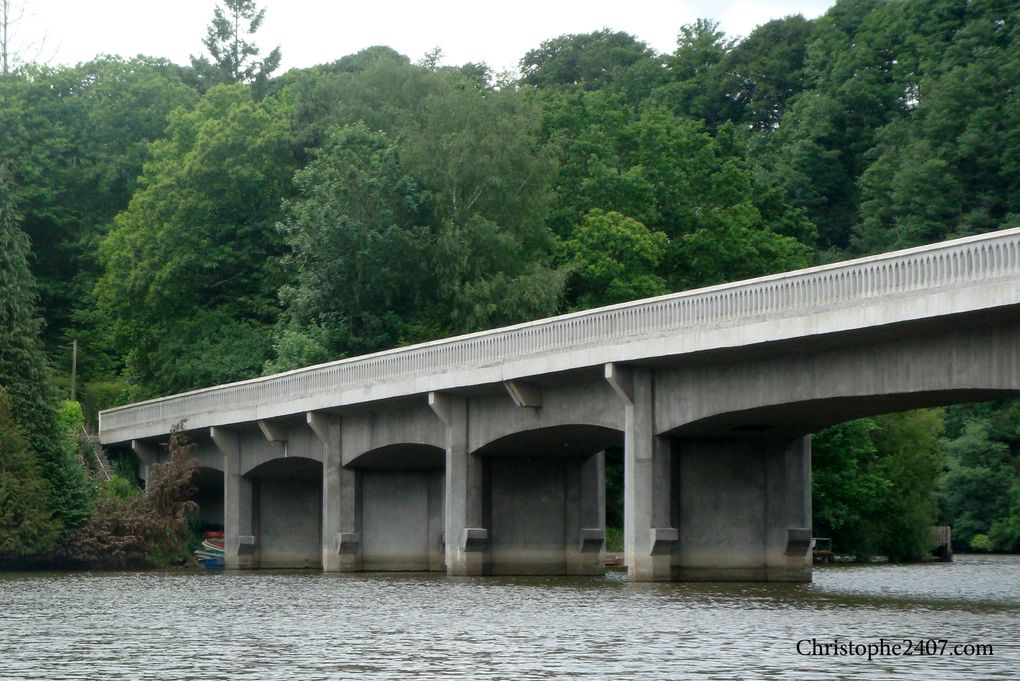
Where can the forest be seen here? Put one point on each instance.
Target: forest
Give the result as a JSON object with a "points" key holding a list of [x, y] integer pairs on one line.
{"points": [[190, 225]]}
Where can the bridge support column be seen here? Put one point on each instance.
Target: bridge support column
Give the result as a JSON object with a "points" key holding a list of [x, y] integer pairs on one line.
{"points": [[340, 548], [743, 508], [148, 456], [466, 538], [648, 532], [238, 530]]}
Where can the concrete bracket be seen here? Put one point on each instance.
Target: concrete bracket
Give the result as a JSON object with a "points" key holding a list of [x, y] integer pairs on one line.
{"points": [[663, 539], [524, 394], [225, 440], [245, 545], [798, 541], [274, 432], [347, 542], [592, 539], [474, 539], [319, 423], [440, 403], [147, 453], [621, 380]]}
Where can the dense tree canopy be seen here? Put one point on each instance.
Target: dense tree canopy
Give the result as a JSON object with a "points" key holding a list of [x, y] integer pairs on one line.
{"points": [[192, 266]]}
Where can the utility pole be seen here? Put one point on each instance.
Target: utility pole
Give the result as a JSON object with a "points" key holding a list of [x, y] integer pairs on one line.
{"points": [[74, 368]]}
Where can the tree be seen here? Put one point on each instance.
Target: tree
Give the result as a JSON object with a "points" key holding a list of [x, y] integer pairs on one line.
{"points": [[612, 259], [977, 488], [129, 530], [27, 528], [668, 173], [603, 60], [911, 460], [358, 250], [756, 79], [692, 90], [25, 376], [422, 215], [874, 484], [192, 267], [75, 139], [229, 45]]}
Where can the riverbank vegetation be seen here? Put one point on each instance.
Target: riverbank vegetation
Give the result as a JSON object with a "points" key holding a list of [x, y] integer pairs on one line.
{"points": [[196, 224]]}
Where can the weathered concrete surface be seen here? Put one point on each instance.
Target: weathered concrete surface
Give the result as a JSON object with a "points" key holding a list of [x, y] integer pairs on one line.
{"points": [[735, 502], [537, 509], [288, 524], [803, 387], [933, 283], [402, 524]]}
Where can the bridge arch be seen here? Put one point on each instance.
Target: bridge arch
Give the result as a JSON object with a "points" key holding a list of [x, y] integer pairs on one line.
{"points": [[544, 499], [400, 496], [796, 392], [287, 512]]}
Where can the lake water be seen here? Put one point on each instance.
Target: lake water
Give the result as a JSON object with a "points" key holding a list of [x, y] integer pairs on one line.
{"points": [[193, 625]]}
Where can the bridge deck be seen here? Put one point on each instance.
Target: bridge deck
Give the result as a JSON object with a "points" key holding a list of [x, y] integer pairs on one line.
{"points": [[951, 278]]}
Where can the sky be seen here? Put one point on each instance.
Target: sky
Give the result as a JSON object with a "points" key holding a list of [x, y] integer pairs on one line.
{"points": [[319, 31]]}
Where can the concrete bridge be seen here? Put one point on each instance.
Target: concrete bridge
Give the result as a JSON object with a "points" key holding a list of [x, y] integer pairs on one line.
{"points": [[484, 453]]}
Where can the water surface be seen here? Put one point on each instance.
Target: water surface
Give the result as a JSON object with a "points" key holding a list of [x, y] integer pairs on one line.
{"points": [[257, 625]]}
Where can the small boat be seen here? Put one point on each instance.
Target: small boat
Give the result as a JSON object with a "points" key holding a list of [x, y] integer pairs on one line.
{"points": [[210, 556]]}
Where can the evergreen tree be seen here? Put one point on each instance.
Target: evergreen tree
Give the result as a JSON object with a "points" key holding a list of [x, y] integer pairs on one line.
{"points": [[25, 374], [27, 528], [229, 44]]}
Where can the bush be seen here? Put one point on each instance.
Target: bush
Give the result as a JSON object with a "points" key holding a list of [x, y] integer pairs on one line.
{"points": [[119, 488], [981, 542], [142, 531]]}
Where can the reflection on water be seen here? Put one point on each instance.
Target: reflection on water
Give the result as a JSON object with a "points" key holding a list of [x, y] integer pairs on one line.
{"points": [[309, 625]]}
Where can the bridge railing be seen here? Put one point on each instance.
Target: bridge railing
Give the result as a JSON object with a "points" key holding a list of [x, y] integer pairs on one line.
{"points": [[952, 263]]}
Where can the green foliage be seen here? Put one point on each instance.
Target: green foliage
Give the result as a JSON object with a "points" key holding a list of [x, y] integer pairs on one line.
{"points": [[612, 259], [98, 395], [981, 542], [27, 527], [74, 491], [357, 248], [76, 139], [874, 484], [669, 174], [614, 539], [979, 491], [120, 488], [25, 377], [233, 55], [604, 60], [24, 372], [422, 214], [192, 266]]}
